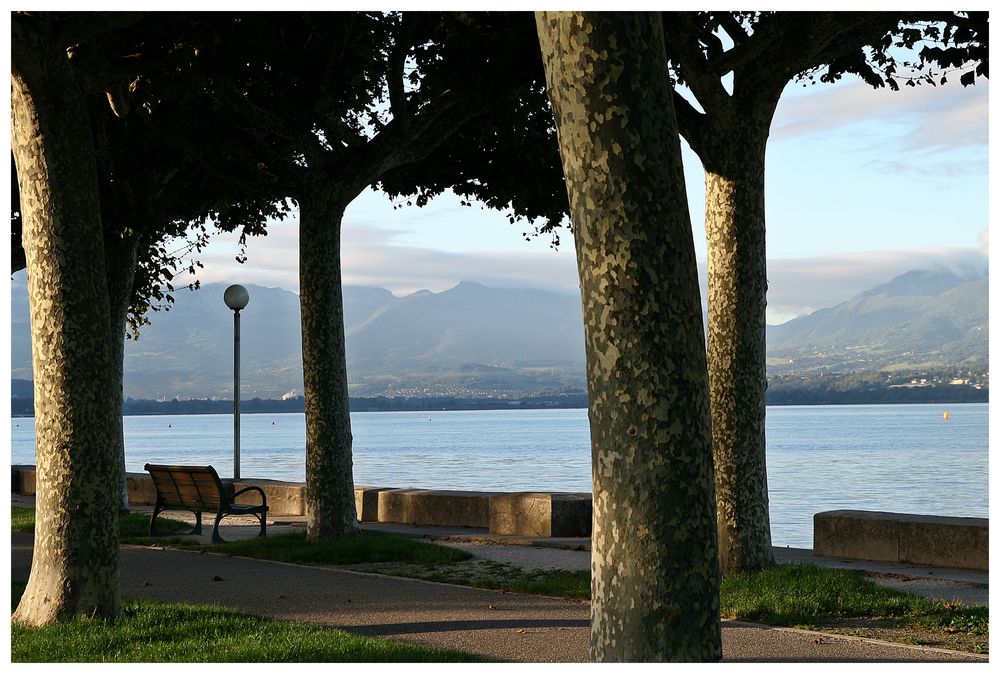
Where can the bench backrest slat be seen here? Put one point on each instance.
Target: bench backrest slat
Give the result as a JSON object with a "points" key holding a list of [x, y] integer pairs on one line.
{"points": [[188, 487]]}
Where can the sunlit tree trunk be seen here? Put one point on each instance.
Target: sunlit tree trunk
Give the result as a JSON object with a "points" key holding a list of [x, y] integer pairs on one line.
{"points": [[737, 300], [329, 464], [75, 562], [655, 580]]}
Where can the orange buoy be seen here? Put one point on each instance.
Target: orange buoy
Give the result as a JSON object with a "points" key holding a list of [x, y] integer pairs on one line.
{"points": [[947, 416]]}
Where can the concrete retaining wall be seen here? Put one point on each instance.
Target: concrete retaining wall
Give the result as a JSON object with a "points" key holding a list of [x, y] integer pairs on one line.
{"points": [[435, 507], [525, 514], [540, 514], [956, 542]]}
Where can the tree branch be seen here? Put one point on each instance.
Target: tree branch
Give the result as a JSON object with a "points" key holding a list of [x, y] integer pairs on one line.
{"points": [[691, 123], [705, 84], [733, 28], [398, 144]]}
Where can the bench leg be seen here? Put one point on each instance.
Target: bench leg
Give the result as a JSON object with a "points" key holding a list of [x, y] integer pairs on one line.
{"points": [[216, 538], [263, 524], [197, 524], [152, 519]]}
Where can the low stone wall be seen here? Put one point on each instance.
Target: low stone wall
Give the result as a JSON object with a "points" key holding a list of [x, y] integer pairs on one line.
{"points": [[955, 542], [541, 514], [525, 514], [435, 507]]}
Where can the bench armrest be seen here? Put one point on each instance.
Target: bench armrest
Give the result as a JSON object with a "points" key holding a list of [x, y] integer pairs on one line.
{"points": [[263, 497]]}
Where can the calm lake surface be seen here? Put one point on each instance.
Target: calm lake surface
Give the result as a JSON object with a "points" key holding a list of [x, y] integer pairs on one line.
{"points": [[901, 458]]}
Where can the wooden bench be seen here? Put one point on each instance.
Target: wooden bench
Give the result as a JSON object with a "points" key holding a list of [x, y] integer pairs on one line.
{"points": [[198, 489]]}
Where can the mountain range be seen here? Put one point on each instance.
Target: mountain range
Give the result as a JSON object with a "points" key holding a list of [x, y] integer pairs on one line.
{"points": [[476, 340], [916, 320]]}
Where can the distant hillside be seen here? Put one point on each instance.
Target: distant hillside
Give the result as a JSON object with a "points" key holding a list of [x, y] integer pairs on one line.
{"points": [[465, 341], [473, 340], [918, 319]]}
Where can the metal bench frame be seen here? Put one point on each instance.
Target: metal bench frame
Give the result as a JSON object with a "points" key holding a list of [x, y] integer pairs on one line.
{"points": [[200, 497]]}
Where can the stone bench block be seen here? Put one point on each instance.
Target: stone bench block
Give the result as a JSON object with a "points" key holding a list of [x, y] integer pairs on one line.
{"points": [[541, 514], [366, 502], [284, 499], [22, 479], [932, 540], [141, 490], [434, 507]]}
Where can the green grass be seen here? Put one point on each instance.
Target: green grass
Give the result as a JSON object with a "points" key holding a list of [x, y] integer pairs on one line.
{"points": [[156, 632], [22, 519], [566, 584], [806, 595], [131, 527], [368, 547]]}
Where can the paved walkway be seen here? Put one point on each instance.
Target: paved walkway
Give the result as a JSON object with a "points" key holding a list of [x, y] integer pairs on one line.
{"points": [[509, 627]]}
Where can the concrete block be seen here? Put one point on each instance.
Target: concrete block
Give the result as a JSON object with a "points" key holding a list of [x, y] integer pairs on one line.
{"points": [[22, 479], [283, 498], [541, 514], [141, 490], [856, 534], [435, 507], [366, 502], [958, 542], [932, 540]]}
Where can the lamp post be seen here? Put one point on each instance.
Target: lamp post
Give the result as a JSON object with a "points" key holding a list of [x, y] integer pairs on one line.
{"points": [[236, 298]]}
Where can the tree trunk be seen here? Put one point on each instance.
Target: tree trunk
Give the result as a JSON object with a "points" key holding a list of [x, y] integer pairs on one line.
{"points": [[330, 505], [655, 583], [74, 569], [120, 263], [737, 299]]}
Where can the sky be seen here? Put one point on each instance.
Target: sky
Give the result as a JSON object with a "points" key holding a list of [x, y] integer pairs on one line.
{"points": [[861, 185]]}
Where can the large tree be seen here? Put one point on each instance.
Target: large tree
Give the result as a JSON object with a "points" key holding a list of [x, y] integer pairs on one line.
{"points": [[155, 200], [766, 51], [351, 98], [655, 567], [74, 568]]}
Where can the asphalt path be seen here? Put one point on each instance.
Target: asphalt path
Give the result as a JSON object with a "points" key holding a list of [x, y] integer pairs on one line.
{"points": [[502, 626]]}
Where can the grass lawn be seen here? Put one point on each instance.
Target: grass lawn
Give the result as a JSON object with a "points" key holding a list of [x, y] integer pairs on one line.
{"points": [[131, 527], [368, 547], [846, 602], [156, 632]]}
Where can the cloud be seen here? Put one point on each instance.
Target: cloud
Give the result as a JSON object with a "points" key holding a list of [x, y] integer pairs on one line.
{"points": [[796, 286], [371, 257], [925, 117]]}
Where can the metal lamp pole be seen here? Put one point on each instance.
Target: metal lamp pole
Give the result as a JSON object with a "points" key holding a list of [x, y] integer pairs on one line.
{"points": [[236, 298]]}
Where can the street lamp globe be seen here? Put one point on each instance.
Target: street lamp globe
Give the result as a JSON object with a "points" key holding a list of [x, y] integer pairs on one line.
{"points": [[236, 297]]}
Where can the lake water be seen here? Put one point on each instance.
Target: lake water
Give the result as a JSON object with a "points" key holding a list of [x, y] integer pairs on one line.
{"points": [[901, 458]]}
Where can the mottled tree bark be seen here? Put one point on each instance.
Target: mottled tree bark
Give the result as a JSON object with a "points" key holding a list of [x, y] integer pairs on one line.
{"points": [[655, 565], [74, 568], [330, 505], [737, 300]]}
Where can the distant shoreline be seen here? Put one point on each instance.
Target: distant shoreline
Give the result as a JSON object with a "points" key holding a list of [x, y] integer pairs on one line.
{"points": [[360, 405]]}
